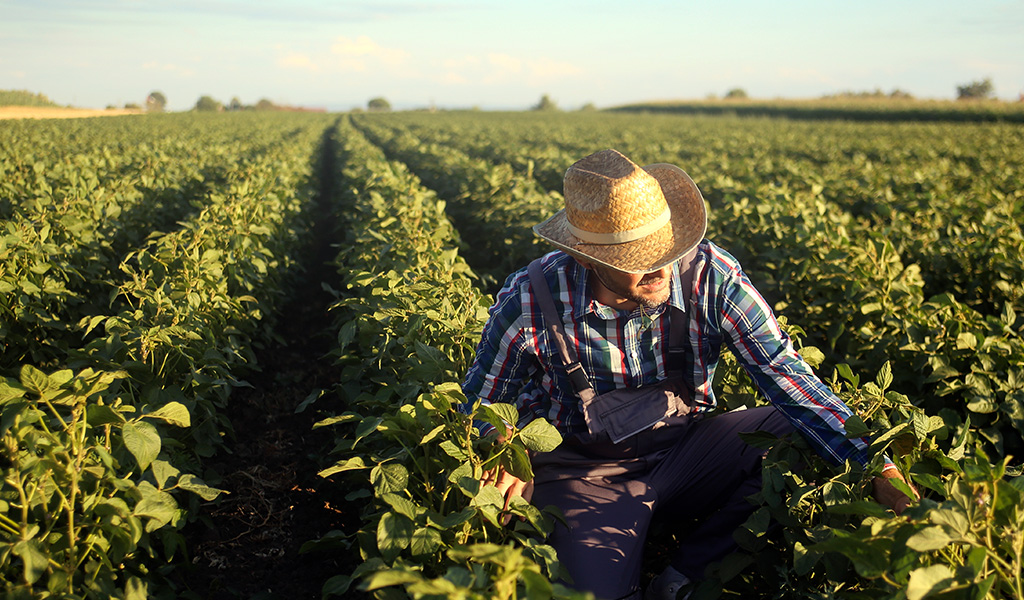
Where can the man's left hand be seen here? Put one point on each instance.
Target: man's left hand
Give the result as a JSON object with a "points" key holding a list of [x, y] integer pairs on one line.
{"points": [[887, 494]]}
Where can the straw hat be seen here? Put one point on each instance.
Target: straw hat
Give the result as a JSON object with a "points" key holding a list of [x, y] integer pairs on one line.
{"points": [[624, 217]]}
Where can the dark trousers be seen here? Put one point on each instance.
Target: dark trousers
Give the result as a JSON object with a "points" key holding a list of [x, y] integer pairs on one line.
{"points": [[697, 469]]}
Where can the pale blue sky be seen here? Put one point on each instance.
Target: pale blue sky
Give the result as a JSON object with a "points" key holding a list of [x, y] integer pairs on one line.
{"points": [[502, 54]]}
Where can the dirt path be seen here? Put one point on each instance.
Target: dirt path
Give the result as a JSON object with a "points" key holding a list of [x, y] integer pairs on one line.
{"points": [[247, 543]]}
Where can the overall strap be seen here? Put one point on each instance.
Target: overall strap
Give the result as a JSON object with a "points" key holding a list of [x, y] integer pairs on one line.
{"points": [[679, 328], [573, 368]]}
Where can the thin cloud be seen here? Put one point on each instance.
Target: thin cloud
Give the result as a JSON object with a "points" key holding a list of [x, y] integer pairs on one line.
{"points": [[359, 53], [496, 69], [168, 68], [343, 55], [299, 61]]}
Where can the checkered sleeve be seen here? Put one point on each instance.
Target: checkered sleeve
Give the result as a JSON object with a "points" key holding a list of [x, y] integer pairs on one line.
{"points": [[787, 381], [504, 362]]}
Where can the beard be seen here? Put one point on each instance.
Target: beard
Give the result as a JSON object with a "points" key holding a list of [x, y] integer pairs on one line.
{"points": [[650, 300]]}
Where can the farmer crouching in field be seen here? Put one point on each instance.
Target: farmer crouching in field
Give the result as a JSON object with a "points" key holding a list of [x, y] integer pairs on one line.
{"points": [[614, 339]]}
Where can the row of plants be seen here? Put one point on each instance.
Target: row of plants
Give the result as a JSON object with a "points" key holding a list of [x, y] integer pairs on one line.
{"points": [[75, 210], [945, 195], [492, 200], [103, 449], [408, 318], [948, 426]]}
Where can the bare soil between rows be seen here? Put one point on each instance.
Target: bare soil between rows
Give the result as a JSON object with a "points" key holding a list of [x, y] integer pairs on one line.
{"points": [[246, 545]]}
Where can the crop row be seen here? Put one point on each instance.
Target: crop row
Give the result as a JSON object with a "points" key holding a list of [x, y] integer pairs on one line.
{"points": [[101, 452], [407, 321]]}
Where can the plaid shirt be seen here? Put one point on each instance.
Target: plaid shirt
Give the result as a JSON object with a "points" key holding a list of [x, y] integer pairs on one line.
{"points": [[516, 362]]}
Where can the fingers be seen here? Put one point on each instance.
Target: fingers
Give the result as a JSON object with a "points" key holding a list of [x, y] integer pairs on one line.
{"points": [[508, 485], [887, 494]]}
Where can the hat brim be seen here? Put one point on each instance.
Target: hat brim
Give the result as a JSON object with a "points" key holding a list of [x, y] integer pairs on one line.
{"points": [[682, 233]]}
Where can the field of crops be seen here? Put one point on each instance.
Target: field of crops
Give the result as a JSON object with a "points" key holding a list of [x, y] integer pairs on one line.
{"points": [[145, 263]]}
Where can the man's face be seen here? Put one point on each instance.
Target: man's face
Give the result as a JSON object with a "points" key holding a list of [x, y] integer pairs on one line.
{"points": [[625, 291]]}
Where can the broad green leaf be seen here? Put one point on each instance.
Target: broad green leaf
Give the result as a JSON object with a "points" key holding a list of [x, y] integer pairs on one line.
{"points": [[487, 414], [453, 450], [540, 436], [433, 433], [425, 541], [953, 518], [342, 418], [9, 390], [163, 471], [928, 580], [390, 577], [136, 589], [394, 534], [349, 464], [173, 413], [859, 508], [803, 561], [884, 377], [518, 462], [507, 412], [335, 586], [33, 559], [869, 558], [402, 505], [537, 586], [855, 427], [489, 496], [883, 440], [389, 477], [142, 440], [157, 506], [452, 520], [98, 414], [812, 356], [930, 538], [482, 551], [847, 373], [197, 486], [310, 399], [34, 380]]}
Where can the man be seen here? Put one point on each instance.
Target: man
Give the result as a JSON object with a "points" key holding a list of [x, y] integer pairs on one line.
{"points": [[614, 338]]}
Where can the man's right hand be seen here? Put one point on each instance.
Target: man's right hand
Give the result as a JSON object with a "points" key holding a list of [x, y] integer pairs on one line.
{"points": [[509, 485]]}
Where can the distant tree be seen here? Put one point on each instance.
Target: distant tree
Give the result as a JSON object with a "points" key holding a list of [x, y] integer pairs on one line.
{"points": [[156, 102], [132, 106], [264, 104], [545, 103], [589, 106], [736, 94], [235, 104], [378, 104], [976, 90], [24, 98], [207, 103]]}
